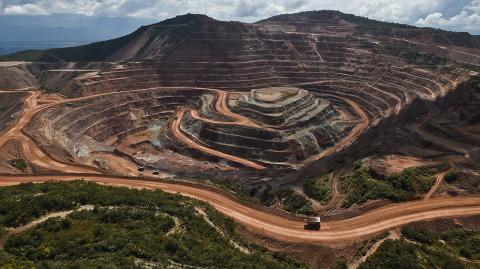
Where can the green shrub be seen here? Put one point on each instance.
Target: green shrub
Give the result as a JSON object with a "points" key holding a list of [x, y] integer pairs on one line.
{"points": [[316, 191], [401, 254], [364, 184], [465, 242], [294, 202], [450, 177], [20, 164], [423, 236], [393, 254], [267, 196]]}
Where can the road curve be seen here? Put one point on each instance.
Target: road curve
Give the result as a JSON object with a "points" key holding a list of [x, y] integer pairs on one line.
{"points": [[283, 229], [175, 127], [31, 151], [351, 137]]}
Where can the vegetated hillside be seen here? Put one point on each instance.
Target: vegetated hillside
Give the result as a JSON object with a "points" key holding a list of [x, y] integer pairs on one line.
{"points": [[112, 227], [435, 244]]}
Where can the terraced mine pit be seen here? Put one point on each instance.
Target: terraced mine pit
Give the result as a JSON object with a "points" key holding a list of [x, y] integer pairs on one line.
{"points": [[272, 127], [85, 130], [280, 127], [271, 102], [221, 95]]}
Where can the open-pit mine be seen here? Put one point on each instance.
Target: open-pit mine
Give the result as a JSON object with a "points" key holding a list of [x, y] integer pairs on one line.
{"points": [[288, 111]]}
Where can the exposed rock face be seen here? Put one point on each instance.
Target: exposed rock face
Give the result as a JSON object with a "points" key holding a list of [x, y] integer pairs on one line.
{"points": [[10, 107], [16, 76], [288, 125]]}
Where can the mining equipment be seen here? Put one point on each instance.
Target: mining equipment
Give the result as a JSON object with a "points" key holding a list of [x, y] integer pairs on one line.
{"points": [[312, 223]]}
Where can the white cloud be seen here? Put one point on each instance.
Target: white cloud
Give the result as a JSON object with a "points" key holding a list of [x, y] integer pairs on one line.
{"points": [[467, 20], [450, 14], [26, 9]]}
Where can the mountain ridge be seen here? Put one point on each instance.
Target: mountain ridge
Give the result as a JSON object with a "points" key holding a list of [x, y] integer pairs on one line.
{"points": [[147, 41]]}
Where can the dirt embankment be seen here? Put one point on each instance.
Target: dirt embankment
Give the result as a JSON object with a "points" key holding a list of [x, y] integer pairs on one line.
{"points": [[16, 76]]}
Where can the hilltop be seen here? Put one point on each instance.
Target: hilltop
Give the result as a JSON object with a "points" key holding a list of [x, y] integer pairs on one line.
{"points": [[158, 40]]}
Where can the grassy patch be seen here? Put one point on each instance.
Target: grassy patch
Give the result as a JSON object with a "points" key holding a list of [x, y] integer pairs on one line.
{"points": [[126, 227], [46, 89], [364, 184], [3, 231], [470, 67], [423, 236]]}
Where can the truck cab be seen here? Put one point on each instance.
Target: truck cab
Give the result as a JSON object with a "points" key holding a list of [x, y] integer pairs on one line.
{"points": [[312, 223]]}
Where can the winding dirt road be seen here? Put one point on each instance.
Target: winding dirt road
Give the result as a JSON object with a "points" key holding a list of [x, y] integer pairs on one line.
{"points": [[283, 229], [352, 136], [175, 127], [31, 151], [221, 107]]}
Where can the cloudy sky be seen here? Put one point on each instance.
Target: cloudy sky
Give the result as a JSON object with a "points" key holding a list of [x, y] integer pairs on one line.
{"points": [[458, 15]]}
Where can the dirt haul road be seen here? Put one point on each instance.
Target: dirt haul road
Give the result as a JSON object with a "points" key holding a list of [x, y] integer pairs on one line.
{"points": [[279, 228], [30, 150], [175, 127]]}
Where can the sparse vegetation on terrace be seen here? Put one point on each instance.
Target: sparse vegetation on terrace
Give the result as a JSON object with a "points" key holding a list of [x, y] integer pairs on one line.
{"points": [[364, 184], [318, 188], [294, 202], [410, 54], [20, 164]]}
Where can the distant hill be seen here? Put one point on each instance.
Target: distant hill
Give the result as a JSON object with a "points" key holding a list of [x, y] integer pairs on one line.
{"points": [[141, 43], [158, 40], [375, 27]]}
